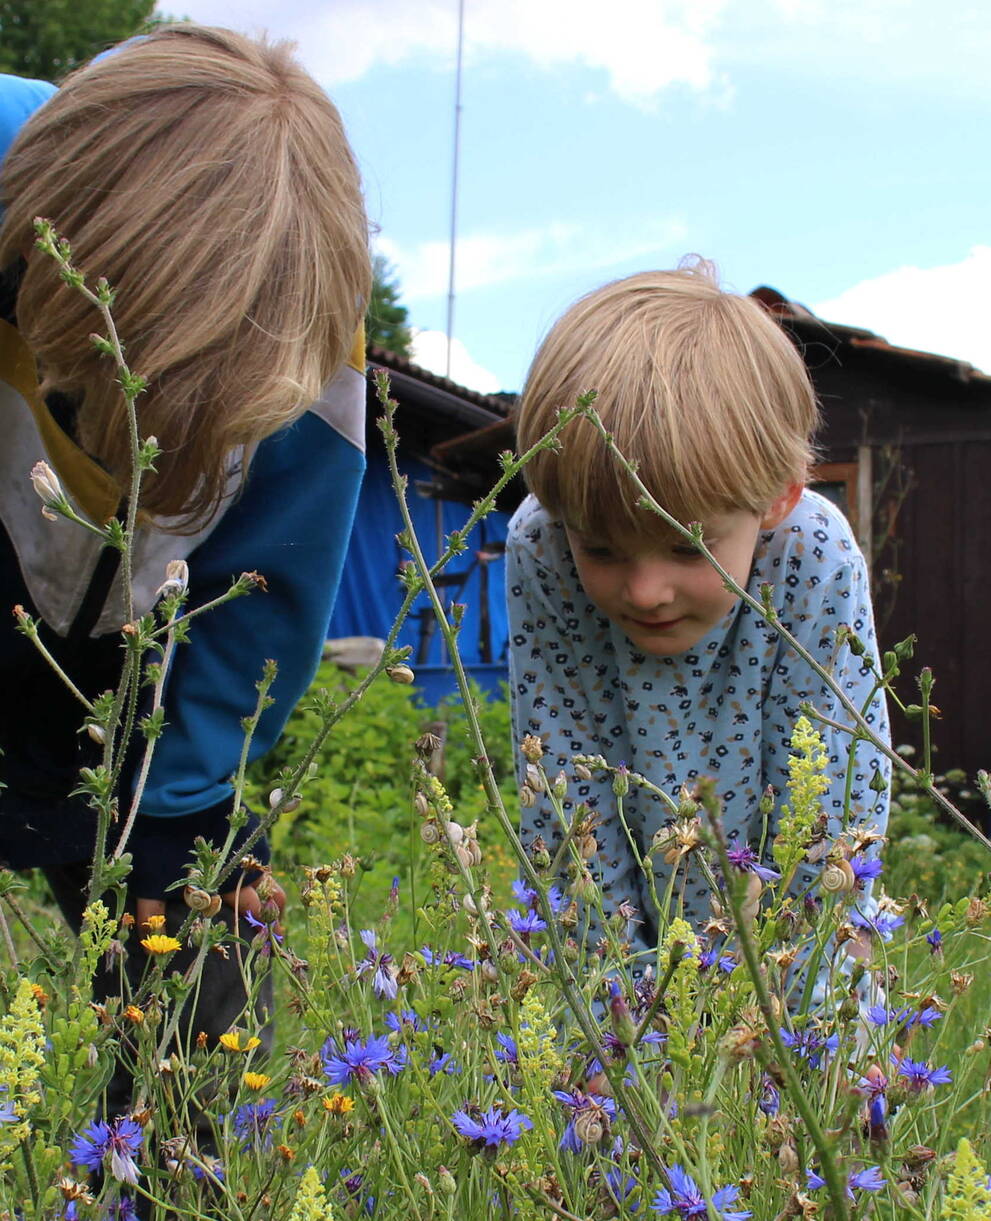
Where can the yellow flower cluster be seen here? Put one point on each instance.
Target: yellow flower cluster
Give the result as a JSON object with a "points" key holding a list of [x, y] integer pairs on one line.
{"points": [[967, 1196], [806, 784], [311, 1203], [539, 1055], [22, 1044], [682, 989]]}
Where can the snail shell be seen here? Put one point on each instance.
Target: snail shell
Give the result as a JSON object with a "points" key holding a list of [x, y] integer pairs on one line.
{"points": [[837, 877], [430, 833], [202, 901]]}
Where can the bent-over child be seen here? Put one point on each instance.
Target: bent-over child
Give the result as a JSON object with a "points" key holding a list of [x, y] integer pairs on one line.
{"points": [[624, 641]]}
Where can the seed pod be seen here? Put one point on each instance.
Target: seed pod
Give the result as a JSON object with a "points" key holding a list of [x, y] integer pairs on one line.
{"points": [[837, 877]]}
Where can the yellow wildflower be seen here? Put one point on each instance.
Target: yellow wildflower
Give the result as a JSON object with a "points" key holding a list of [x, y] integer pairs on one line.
{"points": [[134, 1014], [22, 1043], [967, 1196], [256, 1081], [338, 1104], [159, 944], [311, 1203], [232, 1041], [154, 923], [537, 1043], [39, 994]]}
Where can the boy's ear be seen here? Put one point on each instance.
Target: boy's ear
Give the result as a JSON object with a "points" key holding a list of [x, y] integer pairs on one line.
{"points": [[781, 507]]}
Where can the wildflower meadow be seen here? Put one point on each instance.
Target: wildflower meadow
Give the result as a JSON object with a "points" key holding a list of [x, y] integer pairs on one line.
{"points": [[456, 1027]]}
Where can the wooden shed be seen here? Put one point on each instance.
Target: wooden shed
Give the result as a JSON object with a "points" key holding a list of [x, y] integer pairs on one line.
{"points": [[906, 452]]}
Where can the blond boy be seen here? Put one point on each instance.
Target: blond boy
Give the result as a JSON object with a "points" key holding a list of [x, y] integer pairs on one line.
{"points": [[624, 641]]}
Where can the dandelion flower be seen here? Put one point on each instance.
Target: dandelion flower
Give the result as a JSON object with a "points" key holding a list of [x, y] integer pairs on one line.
{"points": [[158, 943], [154, 924], [256, 1081], [232, 1041], [338, 1104]]}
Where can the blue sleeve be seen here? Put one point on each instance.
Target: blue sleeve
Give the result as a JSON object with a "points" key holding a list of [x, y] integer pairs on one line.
{"points": [[291, 524], [19, 99]]}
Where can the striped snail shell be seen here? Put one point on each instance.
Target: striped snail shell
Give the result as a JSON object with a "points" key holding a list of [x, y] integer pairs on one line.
{"points": [[837, 877], [202, 901], [430, 833]]}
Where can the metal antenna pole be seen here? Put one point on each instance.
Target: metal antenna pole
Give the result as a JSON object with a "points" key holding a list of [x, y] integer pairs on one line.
{"points": [[454, 183]]}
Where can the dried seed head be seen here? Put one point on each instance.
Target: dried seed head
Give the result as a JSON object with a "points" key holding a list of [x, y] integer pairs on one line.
{"points": [[532, 749]]}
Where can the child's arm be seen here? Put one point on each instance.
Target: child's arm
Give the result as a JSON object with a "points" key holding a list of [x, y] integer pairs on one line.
{"points": [[556, 692]]}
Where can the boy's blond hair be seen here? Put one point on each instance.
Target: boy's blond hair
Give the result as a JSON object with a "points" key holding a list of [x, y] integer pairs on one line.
{"points": [[208, 177], [699, 387]]}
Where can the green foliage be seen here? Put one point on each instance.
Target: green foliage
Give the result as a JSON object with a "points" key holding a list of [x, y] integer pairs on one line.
{"points": [[359, 802], [930, 856], [46, 39], [386, 323]]}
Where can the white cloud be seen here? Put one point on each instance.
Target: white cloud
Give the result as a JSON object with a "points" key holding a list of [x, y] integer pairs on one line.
{"points": [[483, 259], [429, 349], [935, 309], [642, 46]]}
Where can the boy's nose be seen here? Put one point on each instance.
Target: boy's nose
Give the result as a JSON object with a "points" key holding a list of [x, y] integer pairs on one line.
{"points": [[650, 584]]}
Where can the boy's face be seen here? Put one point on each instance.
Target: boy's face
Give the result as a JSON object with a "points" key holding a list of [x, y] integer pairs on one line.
{"points": [[665, 595]]}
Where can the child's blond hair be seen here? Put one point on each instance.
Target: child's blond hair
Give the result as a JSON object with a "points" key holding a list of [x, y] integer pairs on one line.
{"points": [[699, 387], [208, 177]]}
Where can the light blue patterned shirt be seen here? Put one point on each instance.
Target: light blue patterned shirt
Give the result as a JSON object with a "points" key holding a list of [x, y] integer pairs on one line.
{"points": [[725, 709]]}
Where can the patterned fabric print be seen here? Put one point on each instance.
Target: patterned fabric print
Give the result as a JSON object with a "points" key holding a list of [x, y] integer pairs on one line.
{"points": [[726, 709]]}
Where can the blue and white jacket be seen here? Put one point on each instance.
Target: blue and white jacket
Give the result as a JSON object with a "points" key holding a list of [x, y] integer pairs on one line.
{"points": [[289, 520]]}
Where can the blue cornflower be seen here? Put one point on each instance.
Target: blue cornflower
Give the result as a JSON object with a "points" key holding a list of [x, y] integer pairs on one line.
{"points": [[882, 923], [508, 1052], [577, 1102], [526, 895], [810, 1046], [443, 1063], [746, 860], [384, 978], [8, 1112], [935, 939], [687, 1200], [907, 1016], [864, 870], [493, 1127], [255, 1124], [619, 1186], [358, 1061], [526, 922], [714, 957], [119, 1141], [266, 934], [919, 1075], [405, 1019], [863, 1180], [450, 959], [122, 1210], [769, 1099]]}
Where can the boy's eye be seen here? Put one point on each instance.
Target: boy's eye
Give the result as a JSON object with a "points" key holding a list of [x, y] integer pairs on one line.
{"points": [[686, 551], [602, 554]]}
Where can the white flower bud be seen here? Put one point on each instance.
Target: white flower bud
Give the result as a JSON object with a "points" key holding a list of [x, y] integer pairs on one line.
{"points": [[47, 485]]}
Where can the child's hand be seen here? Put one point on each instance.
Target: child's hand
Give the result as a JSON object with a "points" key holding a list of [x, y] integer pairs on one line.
{"points": [[243, 900]]}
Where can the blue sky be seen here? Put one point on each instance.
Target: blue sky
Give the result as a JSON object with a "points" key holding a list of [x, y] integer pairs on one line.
{"points": [[835, 149]]}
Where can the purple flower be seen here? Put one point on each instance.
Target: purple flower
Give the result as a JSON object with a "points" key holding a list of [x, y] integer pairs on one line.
{"points": [[493, 1127], [769, 1099], [935, 939], [881, 923], [255, 1124], [266, 934], [864, 870], [508, 1052], [8, 1112], [526, 895], [358, 1061], [713, 957], [119, 1141], [403, 1020], [122, 1210], [442, 1063], [525, 923], [863, 1180], [449, 960], [576, 1101], [810, 1046], [687, 1200], [907, 1017], [618, 1185], [919, 1075], [747, 861], [384, 978]]}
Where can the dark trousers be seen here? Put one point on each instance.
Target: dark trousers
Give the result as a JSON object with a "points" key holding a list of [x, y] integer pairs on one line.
{"points": [[218, 1003]]}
